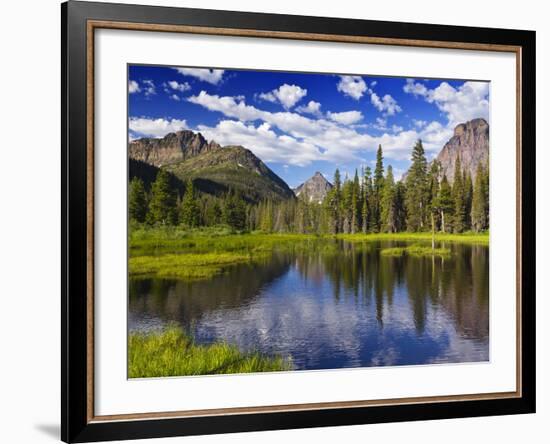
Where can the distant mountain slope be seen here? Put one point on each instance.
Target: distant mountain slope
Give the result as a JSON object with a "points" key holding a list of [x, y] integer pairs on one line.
{"points": [[213, 169], [232, 167], [314, 189], [471, 142], [148, 173]]}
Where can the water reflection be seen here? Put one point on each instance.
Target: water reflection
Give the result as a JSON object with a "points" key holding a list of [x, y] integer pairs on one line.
{"points": [[342, 307]]}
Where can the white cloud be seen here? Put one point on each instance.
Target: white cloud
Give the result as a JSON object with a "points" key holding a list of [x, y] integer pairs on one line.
{"points": [[417, 89], [352, 86], [312, 107], [263, 141], [181, 87], [396, 128], [325, 139], [227, 105], [373, 83], [149, 88], [286, 95], [468, 101], [175, 97], [133, 87], [146, 127], [381, 124], [346, 117], [386, 105], [419, 123], [213, 76]]}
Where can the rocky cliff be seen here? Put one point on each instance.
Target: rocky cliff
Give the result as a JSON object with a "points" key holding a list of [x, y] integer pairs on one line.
{"points": [[314, 189], [172, 148], [471, 142]]}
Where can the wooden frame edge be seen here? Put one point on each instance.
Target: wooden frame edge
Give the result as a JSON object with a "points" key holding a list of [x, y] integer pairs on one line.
{"points": [[92, 25], [337, 38]]}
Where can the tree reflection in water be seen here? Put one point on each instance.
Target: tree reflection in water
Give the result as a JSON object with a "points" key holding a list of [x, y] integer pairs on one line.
{"points": [[337, 307]]}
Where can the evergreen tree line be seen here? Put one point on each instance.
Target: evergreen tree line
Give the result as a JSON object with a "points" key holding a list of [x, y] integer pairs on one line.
{"points": [[370, 202]]}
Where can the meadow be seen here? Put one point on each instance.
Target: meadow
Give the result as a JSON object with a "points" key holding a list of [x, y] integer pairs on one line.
{"points": [[173, 252]]}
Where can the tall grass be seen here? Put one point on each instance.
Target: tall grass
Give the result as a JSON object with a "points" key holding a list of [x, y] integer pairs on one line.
{"points": [[470, 237], [185, 266], [173, 353], [416, 250]]}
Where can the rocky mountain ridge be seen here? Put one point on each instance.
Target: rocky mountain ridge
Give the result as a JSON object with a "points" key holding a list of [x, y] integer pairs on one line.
{"points": [[314, 189], [172, 148], [470, 142], [214, 169]]}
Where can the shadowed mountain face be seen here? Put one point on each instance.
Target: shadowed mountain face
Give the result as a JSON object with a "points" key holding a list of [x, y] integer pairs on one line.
{"points": [[214, 169], [314, 189], [471, 142], [233, 167]]}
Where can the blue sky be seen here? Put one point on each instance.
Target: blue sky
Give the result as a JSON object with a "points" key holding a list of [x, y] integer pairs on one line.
{"points": [[299, 123]]}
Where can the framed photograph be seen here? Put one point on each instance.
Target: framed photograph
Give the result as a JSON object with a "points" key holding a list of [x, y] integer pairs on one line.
{"points": [[276, 221]]}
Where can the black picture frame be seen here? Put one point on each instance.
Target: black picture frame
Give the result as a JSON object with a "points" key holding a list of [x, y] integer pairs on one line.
{"points": [[76, 423]]}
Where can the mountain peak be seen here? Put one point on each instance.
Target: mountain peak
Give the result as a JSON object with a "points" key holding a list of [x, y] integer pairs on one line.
{"points": [[171, 148], [471, 143], [314, 189]]}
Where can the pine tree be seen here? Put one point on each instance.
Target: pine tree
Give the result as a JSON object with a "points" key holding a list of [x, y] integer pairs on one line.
{"points": [[378, 185], [234, 212], [334, 199], [137, 200], [162, 207], [468, 196], [355, 204], [346, 207], [387, 204], [213, 212], [266, 218], [434, 193], [302, 214], [486, 191], [434, 205], [189, 212], [416, 197], [479, 203], [400, 207], [446, 204], [459, 215], [367, 191]]}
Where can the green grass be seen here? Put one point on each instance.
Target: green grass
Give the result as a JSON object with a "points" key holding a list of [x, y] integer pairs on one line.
{"points": [[185, 266], [416, 250], [477, 238], [162, 240], [172, 353], [398, 251]]}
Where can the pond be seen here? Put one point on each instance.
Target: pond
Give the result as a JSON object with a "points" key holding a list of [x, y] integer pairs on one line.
{"points": [[338, 307]]}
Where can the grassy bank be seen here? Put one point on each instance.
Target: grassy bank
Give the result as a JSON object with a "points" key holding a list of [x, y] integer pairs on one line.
{"points": [[185, 266], [163, 240], [416, 250], [172, 353], [472, 238], [172, 252]]}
